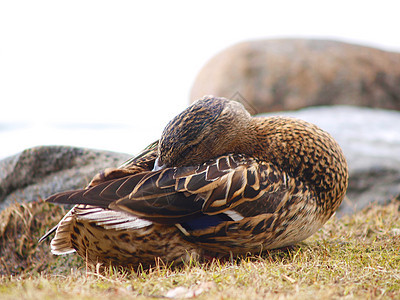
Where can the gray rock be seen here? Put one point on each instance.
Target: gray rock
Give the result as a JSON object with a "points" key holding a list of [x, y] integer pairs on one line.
{"points": [[41, 171], [289, 74], [370, 139]]}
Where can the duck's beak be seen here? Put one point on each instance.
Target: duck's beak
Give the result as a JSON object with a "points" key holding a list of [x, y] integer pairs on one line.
{"points": [[158, 165]]}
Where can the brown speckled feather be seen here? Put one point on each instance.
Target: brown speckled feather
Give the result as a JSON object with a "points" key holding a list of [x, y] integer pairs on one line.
{"points": [[221, 181]]}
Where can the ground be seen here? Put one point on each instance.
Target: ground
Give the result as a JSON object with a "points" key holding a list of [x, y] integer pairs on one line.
{"points": [[356, 256]]}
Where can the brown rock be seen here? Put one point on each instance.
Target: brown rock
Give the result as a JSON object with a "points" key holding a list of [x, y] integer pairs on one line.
{"points": [[289, 74]]}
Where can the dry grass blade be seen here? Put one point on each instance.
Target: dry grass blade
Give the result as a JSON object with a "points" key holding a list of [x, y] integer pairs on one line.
{"points": [[353, 257]]}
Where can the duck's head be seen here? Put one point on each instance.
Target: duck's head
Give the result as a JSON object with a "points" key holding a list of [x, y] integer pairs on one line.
{"points": [[208, 128]]}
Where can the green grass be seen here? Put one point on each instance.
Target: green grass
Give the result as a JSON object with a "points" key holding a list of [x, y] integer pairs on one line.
{"points": [[354, 257]]}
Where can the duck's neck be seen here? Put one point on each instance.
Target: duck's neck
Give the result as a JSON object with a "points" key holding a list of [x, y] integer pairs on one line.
{"points": [[302, 150]]}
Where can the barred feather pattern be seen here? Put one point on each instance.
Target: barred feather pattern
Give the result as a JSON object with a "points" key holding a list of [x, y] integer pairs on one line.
{"points": [[263, 184], [117, 239]]}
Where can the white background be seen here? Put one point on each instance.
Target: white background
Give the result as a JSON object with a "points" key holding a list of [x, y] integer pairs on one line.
{"points": [[111, 74]]}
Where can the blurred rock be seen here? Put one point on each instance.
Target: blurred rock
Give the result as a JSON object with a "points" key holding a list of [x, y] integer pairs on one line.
{"points": [[42, 171], [288, 74]]}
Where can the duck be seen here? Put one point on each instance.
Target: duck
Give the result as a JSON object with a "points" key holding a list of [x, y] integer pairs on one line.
{"points": [[218, 182]]}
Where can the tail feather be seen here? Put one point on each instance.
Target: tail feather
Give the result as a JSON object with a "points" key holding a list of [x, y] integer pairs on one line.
{"points": [[48, 233], [61, 243]]}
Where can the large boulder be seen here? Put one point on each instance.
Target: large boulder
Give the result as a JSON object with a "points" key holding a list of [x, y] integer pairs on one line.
{"points": [[39, 172], [288, 74]]}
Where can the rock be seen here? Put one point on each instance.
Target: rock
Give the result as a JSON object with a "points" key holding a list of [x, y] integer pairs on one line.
{"points": [[288, 74], [41, 171], [370, 139]]}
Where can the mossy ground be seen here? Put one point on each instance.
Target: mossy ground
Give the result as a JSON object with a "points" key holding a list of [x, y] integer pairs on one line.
{"points": [[356, 256]]}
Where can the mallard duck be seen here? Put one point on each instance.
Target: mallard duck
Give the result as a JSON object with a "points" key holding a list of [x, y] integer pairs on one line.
{"points": [[218, 182]]}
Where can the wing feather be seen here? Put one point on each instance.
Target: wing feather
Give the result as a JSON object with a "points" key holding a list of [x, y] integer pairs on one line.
{"points": [[171, 195], [211, 188]]}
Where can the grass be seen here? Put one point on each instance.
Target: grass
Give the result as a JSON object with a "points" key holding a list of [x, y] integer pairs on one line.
{"points": [[353, 257]]}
